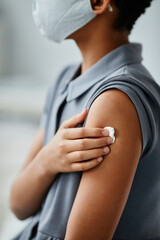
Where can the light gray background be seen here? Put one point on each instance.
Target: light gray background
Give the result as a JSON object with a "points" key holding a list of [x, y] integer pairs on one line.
{"points": [[28, 63], [27, 53]]}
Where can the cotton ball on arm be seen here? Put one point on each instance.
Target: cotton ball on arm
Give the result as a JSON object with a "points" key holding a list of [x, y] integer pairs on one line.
{"points": [[111, 133]]}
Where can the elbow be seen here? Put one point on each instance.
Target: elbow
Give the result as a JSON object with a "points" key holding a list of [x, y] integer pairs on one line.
{"points": [[17, 212], [16, 208]]}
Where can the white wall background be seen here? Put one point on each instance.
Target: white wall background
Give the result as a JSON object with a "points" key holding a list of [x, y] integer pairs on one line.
{"points": [[28, 62]]}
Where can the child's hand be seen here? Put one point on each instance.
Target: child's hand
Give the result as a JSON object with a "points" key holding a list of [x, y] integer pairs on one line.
{"points": [[70, 146]]}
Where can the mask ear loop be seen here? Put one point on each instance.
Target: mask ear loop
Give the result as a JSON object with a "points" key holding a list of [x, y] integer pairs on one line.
{"points": [[110, 9]]}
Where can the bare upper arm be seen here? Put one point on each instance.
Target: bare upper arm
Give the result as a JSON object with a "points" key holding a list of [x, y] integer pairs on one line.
{"points": [[103, 190], [36, 146]]}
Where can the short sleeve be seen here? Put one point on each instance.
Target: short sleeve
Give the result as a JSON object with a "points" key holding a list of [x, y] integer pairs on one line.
{"points": [[141, 105]]}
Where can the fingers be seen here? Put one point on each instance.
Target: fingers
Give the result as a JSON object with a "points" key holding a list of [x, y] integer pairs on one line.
{"points": [[83, 132], [75, 120], [83, 166], [79, 156], [87, 143]]}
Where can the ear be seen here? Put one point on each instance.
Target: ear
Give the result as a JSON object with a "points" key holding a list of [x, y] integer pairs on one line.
{"points": [[100, 6]]}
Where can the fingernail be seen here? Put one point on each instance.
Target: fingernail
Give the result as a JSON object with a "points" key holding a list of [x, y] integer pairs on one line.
{"points": [[105, 132], [109, 140], [100, 159], [106, 149]]}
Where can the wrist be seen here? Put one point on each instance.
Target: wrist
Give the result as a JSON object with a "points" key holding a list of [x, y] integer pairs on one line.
{"points": [[44, 163]]}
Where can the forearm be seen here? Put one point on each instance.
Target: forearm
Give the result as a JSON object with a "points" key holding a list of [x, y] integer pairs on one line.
{"points": [[29, 189]]}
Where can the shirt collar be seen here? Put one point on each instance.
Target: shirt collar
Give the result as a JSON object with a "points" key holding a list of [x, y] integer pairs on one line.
{"points": [[126, 54]]}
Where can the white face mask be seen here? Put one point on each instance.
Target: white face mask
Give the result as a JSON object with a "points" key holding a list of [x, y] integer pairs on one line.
{"points": [[57, 19]]}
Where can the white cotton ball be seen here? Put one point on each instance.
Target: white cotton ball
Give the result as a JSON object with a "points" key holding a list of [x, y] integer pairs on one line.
{"points": [[111, 132]]}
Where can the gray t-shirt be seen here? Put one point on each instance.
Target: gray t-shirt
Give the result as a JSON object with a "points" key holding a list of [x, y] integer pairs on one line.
{"points": [[70, 94]]}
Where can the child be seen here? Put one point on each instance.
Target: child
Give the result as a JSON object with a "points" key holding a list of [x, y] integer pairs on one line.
{"points": [[73, 184]]}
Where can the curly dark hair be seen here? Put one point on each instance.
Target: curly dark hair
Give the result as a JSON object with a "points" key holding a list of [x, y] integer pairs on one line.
{"points": [[129, 12]]}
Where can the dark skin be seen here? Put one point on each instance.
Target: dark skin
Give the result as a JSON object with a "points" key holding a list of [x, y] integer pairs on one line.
{"points": [[105, 186], [64, 153], [103, 191], [98, 37]]}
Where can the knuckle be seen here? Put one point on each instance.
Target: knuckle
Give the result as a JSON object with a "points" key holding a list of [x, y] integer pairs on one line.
{"points": [[62, 144], [82, 167], [95, 131], [98, 143], [79, 167], [76, 167], [61, 147], [94, 163], [68, 158], [82, 132], [101, 151], [79, 155], [63, 162], [72, 167], [97, 152], [104, 142], [63, 131], [99, 132], [82, 144]]}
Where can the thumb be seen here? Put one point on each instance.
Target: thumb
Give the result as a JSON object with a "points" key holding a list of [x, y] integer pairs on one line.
{"points": [[75, 120]]}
